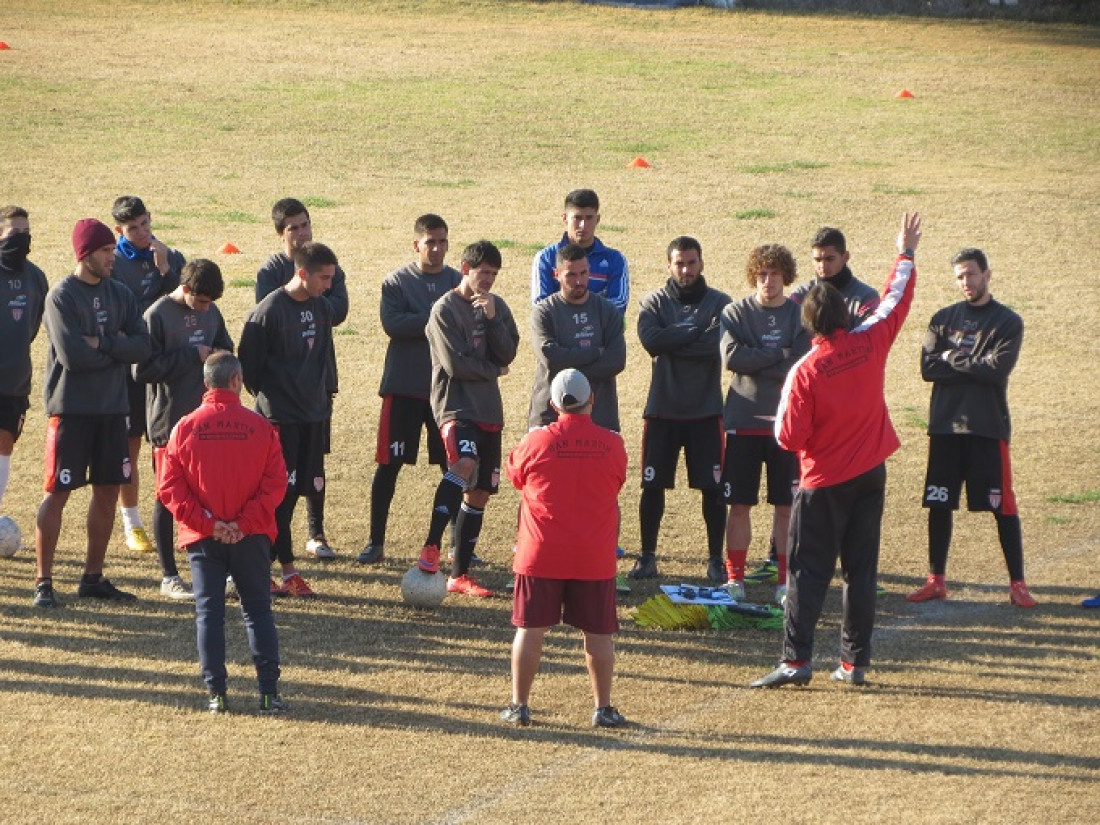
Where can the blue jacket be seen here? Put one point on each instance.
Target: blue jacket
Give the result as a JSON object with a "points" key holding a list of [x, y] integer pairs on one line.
{"points": [[609, 274]]}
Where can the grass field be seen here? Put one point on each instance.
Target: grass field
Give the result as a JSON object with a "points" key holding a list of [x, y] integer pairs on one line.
{"points": [[760, 128]]}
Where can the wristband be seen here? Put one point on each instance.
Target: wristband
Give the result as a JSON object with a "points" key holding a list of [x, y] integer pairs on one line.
{"points": [[909, 253]]}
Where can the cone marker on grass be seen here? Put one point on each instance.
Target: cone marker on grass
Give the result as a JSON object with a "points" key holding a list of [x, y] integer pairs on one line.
{"points": [[904, 93], [229, 249], [639, 163]]}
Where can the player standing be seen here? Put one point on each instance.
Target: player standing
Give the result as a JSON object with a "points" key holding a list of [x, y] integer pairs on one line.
{"points": [[285, 353], [185, 328], [679, 326], [969, 351], [293, 226], [149, 269], [762, 338], [23, 289], [407, 298], [473, 338]]}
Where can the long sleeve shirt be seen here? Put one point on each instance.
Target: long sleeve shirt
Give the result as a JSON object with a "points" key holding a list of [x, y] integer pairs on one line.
{"points": [[22, 302], [608, 273]]}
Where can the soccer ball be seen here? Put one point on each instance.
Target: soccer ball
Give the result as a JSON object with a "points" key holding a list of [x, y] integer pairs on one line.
{"points": [[422, 589], [10, 538]]}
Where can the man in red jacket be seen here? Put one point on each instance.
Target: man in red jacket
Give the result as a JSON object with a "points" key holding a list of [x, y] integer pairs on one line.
{"points": [[222, 477], [569, 474], [832, 412]]}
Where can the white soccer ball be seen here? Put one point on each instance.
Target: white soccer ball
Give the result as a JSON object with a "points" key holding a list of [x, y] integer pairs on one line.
{"points": [[422, 589], [10, 538]]}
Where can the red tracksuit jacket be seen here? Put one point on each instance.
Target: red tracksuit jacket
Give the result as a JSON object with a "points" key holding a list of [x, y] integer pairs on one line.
{"points": [[223, 463]]}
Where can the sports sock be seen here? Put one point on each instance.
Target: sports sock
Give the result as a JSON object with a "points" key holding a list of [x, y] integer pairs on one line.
{"points": [[5, 474], [163, 536], [448, 498], [382, 490], [939, 539], [131, 518], [714, 515], [315, 514], [781, 568], [1012, 545], [651, 509], [469, 529], [284, 514], [736, 564]]}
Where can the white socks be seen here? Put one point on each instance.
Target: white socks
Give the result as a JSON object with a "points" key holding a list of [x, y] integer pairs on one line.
{"points": [[131, 518], [5, 473]]}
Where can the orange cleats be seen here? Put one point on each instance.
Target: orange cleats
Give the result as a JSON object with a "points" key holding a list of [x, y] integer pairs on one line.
{"points": [[934, 587], [276, 588], [1019, 595], [467, 587], [429, 559], [297, 586]]}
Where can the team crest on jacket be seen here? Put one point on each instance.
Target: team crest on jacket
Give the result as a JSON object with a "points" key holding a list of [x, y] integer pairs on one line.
{"points": [[16, 313], [717, 473], [995, 499], [318, 483], [126, 468]]}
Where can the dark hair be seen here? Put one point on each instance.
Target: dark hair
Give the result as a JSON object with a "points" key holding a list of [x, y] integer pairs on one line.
{"points": [[128, 208], [582, 199], [971, 253], [771, 255], [313, 256], [203, 277], [286, 208], [219, 369], [570, 252], [830, 236], [428, 223], [482, 252], [684, 243], [824, 310], [11, 212]]}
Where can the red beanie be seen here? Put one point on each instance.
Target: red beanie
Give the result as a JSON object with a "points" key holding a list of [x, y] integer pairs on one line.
{"points": [[90, 235]]}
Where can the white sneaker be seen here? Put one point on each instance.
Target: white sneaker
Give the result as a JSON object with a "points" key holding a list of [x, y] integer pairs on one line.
{"points": [[781, 595], [175, 588], [319, 549], [736, 590]]}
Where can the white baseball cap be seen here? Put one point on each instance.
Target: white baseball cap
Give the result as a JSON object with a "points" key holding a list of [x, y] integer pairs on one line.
{"points": [[570, 390]]}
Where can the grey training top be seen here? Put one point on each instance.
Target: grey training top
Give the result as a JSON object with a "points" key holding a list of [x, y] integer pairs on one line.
{"points": [[141, 277], [22, 302]]}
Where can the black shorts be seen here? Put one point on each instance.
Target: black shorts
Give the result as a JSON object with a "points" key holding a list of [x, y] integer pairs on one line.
{"points": [[135, 425], [399, 429], [304, 453], [83, 448], [745, 455], [983, 463], [701, 440], [465, 439], [13, 413]]}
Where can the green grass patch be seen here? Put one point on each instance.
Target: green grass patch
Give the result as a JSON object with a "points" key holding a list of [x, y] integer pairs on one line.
{"points": [[463, 183], [887, 189], [771, 168], [754, 214], [345, 330], [1088, 497], [243, 283], [318, 202], [611, 227], [519, 246]]}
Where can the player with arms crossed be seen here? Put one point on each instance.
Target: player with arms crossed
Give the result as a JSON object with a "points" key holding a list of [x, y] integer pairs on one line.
{"points": [[473, 338], [969, 352]]}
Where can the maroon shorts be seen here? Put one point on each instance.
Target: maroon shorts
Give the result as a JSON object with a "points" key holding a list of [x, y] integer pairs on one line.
{"points": [[584, 604]]}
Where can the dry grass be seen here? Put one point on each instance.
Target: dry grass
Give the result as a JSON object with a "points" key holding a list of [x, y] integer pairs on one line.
{"points": [[487, 113]]}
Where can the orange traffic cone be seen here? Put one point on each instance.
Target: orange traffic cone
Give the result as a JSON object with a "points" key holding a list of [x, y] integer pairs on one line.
{"points": [[229, 249], [905, 93], [4, 46], [639, 163]]}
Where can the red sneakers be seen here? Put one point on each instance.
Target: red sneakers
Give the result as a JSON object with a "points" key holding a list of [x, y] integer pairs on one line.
{"points": [[297, 586], [429, 559], [934, 587], [467, 587], [1019, 595]]}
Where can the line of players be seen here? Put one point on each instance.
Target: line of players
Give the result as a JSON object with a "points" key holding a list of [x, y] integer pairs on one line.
{"points": [[130, 329]]}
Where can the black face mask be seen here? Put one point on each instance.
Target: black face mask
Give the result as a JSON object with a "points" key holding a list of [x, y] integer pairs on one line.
{"points": [[14, 250]]}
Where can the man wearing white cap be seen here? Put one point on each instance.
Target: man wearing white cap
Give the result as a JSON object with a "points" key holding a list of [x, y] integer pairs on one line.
{"points": [[569, 474]]}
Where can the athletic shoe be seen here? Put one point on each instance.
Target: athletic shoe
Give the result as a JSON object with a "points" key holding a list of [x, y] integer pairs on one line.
{"points": [[319, 549], [517, 715], [475, 559], [216, 704], [644, 568], [297, 586], [44, 595], [175, 588], [1019, 595], [766, 573], [372, 554], [621, 587], [716, 570], [1091, 602], [879, 590], [736, 590], [855, 676], [934, 587], [429, 559], [272, 704], [277, 589], [137, 540], [781, 595], [619, 552], [231, 588], [785, 674], [466, 586], [510, 588], [103, 589], [607, 717]]}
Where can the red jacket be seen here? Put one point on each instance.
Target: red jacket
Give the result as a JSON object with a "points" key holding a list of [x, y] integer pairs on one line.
{"points": [[832, 411], [223, 463], [569, 474]]}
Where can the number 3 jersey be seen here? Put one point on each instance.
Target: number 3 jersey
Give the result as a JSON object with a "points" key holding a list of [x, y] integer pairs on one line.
{"points": [[284, 353]]}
